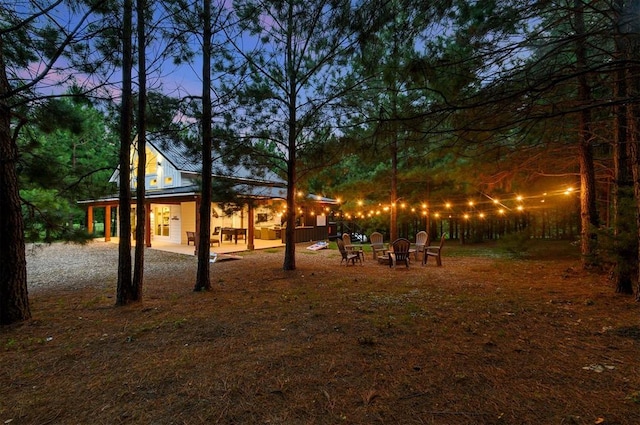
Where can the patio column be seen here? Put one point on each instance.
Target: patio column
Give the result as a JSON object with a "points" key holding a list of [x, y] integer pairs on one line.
{"points": [[197, 230], [147, 224], [90, 219], [250, 231], [107, 223]]}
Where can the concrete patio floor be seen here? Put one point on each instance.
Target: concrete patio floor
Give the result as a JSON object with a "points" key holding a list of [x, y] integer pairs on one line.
{"points": [[225, 247]]}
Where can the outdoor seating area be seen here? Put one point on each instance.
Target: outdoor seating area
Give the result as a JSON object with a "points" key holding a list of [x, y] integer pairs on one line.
{"points": [[399, 251], [402, 251]]}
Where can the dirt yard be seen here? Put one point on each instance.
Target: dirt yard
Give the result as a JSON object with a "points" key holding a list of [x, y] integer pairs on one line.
{"points": [[485, 339]]}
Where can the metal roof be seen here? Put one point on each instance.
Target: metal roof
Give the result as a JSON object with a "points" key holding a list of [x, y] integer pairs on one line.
{"points": [[179, 155]]}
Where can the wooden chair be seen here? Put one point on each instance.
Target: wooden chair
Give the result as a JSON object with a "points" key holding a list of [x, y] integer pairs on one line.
{"points": [[346, 239], [400, 252], [191, 237], [422, 240], [377, 245], [434, 251], [216, 232], [346, 255]]}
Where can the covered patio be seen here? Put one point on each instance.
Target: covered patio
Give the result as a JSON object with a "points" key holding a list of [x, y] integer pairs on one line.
{"points": [[224, 248]]}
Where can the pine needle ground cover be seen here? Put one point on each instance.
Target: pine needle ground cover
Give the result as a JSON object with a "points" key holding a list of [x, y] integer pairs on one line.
{"points": [[485, 339]]}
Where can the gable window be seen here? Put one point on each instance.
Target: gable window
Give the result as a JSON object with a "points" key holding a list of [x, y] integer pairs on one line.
{"points": [[152, 162]]}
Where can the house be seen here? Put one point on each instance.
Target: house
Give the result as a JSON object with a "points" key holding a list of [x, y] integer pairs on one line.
{"points": [[173, 200]]}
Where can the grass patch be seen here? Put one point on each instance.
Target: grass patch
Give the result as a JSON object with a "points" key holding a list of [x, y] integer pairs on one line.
{"points": [[484, 339]]}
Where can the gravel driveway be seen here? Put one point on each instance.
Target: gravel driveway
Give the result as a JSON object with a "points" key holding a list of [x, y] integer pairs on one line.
{"points": [[61, 265]]}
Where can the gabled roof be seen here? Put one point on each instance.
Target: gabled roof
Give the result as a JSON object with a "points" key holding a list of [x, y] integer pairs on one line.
{"points": [[178, 154]]}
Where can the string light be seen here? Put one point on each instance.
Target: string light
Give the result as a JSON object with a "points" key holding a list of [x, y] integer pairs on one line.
{"points": [[466, 209]]}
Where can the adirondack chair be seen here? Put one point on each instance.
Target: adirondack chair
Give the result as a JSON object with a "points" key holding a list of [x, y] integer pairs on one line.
{"points": [[400, 252], [352, 249], [346, 255], [434, 251], [422, 240], [377, 245]]}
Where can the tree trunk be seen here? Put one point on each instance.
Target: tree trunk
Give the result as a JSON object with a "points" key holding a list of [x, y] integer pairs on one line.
{"points": [[632, 33], [138, 265], [125, 291], [203, 280], [14, 299], [290, 245], [588, 211], [393, 212], [290, 228], [625, 251]]}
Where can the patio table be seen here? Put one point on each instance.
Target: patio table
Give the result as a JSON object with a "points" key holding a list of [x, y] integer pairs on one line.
{"points": [[233, 232]]}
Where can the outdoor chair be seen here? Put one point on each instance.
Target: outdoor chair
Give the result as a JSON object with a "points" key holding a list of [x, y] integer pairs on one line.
{"points": [[214, 239], [400, 252], [352, 249], [191, 237], [377, 245], [434, 251], [346, 255], [422, 240]]}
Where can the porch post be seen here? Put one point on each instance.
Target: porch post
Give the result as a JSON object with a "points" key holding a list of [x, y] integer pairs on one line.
{"points": [[147, 224], [90, 219], [250, 232], [195, 251], [107, 223]]}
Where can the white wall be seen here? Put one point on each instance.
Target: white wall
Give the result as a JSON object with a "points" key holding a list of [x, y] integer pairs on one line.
{"points": [[175, 225]]}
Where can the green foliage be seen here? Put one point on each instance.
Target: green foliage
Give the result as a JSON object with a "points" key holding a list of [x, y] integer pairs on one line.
{"points": [[66, 155], [49, 217], [517, 243]]}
